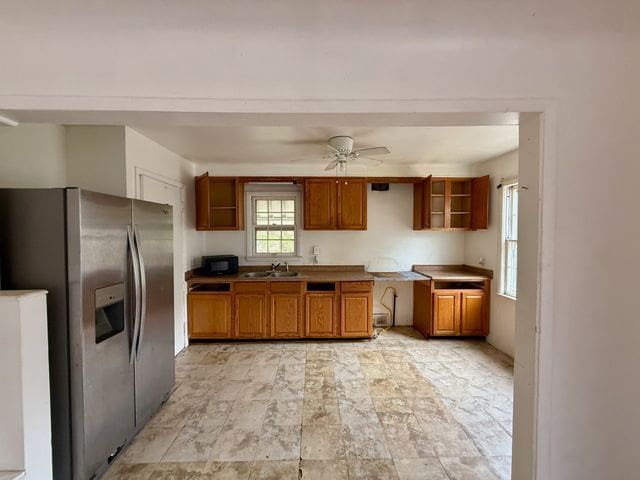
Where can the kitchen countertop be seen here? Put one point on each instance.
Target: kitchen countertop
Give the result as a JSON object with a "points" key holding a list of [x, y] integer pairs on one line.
{"points": [[454, 273], [306, 273], [397, 276]]}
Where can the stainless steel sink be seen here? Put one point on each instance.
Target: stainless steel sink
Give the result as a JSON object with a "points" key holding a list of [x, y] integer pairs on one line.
{"points": [[256, 274], [284, 274]]}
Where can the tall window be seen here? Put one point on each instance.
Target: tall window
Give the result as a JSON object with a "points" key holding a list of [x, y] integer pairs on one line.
{"points": [[510, 240], [273, 220]]}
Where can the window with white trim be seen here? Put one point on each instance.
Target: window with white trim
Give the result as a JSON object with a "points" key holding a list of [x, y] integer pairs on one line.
{"points": [[509, 275], [272, 221]]}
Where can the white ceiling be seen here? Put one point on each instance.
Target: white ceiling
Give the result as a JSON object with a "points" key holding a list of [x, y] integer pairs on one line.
{"points": [[461, 145]]}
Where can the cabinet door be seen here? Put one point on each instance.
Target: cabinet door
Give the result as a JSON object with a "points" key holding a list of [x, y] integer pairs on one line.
{"points": [[202, 202], [286, 315], [209, 315], [251, 315], [422, 204], [352, 204], [446, 312], [320, 314], [356, 315], [473, 315], [320, 204], [480, 203]]}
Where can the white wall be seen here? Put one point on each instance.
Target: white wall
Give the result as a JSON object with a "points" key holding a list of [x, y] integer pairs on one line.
{"points": [[486, 243], [96, 158], [143, 153], [32, 156], [576, 59]]}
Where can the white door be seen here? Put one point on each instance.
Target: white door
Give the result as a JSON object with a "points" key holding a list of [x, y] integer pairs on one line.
{"points": [[156, 189]]}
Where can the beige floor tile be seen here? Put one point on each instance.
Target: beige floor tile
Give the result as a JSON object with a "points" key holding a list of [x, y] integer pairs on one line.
{"points": [[172, 414], [247, 413], [468, 468], [490, 438], [256, 390], [284, 412], [354, 411], [236, 444], [420, 469], [193, 444], [324, 469], [384, 387], [211, 413], [229, 470], [365, 441], [279, 442], [371, 469], [275, 470], [319, 411], [392, 405], [150, 445], [450, 440], [321, 442], [180, 471], [129, 471]]}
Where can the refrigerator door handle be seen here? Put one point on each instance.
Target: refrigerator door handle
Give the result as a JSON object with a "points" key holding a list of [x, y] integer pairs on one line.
{"points": [[143, 290], [136, 292]]}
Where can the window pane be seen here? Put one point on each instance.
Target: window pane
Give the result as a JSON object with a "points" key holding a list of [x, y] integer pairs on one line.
{"points": [[275, 218], [261, 246], [288, 235], [288, 246], [261, 206], [288, 206], [262, 219], [275, 246], [261, 235], [275, 234], [275, 205], [288, 219]]}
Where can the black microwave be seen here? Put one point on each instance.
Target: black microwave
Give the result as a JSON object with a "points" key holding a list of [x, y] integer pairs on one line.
{"points": [[219, 265]]}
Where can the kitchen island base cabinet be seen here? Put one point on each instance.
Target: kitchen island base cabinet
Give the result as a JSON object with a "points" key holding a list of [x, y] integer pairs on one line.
{"points": [[320, 314], [209, 315]]}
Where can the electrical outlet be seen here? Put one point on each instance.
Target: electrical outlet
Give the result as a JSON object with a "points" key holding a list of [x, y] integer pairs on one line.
{"points": [[316, 250]]}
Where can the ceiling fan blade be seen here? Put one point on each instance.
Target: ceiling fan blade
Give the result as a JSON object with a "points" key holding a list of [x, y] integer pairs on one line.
{"points": [[372, 151], [371, 162], [311, 158], [333, 164]]}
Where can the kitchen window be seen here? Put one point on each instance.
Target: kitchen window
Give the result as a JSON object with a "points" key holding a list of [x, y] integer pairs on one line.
{"points": [[509, 275], [273, 219]]}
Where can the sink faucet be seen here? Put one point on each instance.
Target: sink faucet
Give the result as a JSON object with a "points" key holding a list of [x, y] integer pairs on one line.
{"points": [[274, 266], [286, 266]]}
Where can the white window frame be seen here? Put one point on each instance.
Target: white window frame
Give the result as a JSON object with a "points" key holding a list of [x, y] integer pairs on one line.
{"points": [[262, 191], [506, 237]]}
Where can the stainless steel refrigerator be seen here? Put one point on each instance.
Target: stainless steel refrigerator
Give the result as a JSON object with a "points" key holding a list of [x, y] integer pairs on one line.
{"points": [[107, 263]]}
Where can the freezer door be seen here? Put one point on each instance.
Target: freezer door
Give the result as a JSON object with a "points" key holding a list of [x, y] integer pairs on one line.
{"points": [[100, 329], [155, 361]]}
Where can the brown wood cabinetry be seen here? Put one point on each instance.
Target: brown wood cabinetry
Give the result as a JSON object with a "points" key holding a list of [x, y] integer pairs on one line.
{"points": [[451, 308], [451, 204], [209, 315], [286, 310], [219, 203], [321, 312], [335, 204], [251, 309], [356, 309]]}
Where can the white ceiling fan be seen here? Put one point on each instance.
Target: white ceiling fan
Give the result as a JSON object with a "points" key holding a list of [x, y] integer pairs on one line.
{"points": [[343, 153]]}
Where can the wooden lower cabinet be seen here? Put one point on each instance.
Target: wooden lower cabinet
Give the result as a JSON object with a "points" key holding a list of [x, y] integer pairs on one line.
{"points": [[321, 314], [209, 315], [286, 315], [251, 315], [473, 314], [446, 312], [356, 314]]}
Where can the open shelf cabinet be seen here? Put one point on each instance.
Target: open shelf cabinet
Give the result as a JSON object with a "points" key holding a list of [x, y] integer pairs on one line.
{"points": [[219, 203]]}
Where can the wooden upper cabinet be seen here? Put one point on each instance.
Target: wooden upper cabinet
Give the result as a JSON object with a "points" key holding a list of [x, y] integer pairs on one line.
{"points": [[335, 204], [352, 204], [219, 203], [480, 203], [209, 315], [451, 203], [320, 204]]}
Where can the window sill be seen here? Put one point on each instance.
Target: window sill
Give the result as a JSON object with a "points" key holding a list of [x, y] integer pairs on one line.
{"points": [[279, 258], [504, 295]]}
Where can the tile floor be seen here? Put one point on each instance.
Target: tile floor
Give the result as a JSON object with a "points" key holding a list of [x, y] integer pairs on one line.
{"points": [[398, 407]]}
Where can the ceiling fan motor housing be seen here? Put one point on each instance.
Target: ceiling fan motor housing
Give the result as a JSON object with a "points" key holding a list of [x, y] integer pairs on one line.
{"points": [[342, 143]]}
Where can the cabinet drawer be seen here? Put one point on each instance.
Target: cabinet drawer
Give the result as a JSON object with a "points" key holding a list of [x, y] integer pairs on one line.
{"points": [[287, 287], [250, 286], [356, 286]]}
